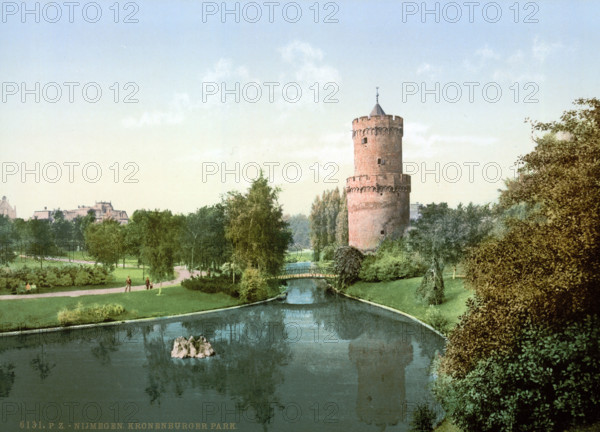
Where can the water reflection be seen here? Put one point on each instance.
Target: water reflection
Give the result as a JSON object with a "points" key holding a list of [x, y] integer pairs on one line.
{"points": [[381, 365], [313, 361]]}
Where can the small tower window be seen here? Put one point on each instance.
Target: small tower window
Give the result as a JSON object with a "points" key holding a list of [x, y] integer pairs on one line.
{"points": [[364, 141], [378, 161], [382, 232]]}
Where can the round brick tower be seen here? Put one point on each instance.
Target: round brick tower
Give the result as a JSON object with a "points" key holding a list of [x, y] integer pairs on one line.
{"points": [[378, 193]]}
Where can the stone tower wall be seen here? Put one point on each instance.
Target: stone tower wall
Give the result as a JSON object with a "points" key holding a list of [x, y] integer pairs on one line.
{"points": [[377, 144], [378, 194]]}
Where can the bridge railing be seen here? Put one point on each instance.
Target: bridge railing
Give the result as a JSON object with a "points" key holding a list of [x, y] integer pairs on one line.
{"points": [[313, 270]]}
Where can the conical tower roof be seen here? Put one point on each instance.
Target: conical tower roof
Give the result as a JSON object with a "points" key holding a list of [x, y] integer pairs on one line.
{"points": [[377, 110]]}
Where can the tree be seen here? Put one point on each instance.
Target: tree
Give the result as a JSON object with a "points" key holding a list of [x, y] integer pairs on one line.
{"points": [[202, 242], [442, 235], [347, 264], [80, 225], [105, 242], [134, 235], [40, 239], [62, 230], [324, 221], [20, 231], [7, 240], [541, 272], [300, 228], [341, 224], [255, 227], [160, 231]]}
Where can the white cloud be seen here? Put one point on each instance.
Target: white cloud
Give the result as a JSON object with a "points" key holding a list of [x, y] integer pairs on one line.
{"points": [[175, 114], [301, 64], [418, 143], [541, 50], [428, 70], [292, 51], [520, 66]]}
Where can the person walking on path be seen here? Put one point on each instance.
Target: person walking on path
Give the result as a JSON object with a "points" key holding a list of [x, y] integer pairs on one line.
{"points": [[128, 284], [147, 283]]}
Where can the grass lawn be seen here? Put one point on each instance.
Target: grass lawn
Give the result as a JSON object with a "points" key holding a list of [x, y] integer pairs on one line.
{"points": [[301, 256], [400, 294], [43, 312]]}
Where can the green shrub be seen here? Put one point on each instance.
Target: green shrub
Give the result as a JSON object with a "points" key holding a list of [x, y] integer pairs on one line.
{"points": [[254, 285], [212, 285], [392, 261], [50, 280], [348, 261], [423, 418], [82, 278], [431, 289], [90, 314], [63, 276], [436, 319], [327, 253], [64, 280], [549, 382]]}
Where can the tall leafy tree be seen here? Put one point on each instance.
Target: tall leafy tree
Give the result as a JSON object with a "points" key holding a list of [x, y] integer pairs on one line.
{"points": [[134, 235], [325, 221], [62, 230], [541, 272], [341, 224], [20, 232], [105, 242], [300, 228], [7, 240], [40, 239], [442, 235], [256, 228], [160, 234], [203, 243], [80, 225]]}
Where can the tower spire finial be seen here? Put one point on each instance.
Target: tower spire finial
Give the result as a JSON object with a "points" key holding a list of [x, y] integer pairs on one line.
{"points": [[376, 94]]}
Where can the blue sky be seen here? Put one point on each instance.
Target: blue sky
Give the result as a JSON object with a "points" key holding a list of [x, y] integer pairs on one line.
{"points": [[170, 147]]}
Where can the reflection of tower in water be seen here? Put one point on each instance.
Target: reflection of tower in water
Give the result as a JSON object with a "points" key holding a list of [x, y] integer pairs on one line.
{"points": [[381, 396]]}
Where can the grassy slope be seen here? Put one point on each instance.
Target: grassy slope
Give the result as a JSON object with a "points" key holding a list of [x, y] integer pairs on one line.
{"points": [[36, 313], [400, 294]]}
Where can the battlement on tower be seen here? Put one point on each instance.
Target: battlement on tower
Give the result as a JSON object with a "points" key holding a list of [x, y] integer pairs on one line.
{"points": [[378, 183], [392, 120]]}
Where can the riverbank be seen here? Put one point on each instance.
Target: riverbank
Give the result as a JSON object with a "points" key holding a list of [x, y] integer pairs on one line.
{"points": [[400, 295], [29, 314]]}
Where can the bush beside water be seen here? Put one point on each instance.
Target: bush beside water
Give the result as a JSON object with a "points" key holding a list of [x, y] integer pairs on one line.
{"points": [[212, 285], [90, 314]]}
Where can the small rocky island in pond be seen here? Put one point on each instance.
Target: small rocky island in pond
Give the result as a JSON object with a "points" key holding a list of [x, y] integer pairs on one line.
{"points": [[192, 347]]}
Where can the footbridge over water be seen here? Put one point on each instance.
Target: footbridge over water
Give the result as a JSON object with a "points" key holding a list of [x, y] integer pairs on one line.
{"points": [[306, 271]]}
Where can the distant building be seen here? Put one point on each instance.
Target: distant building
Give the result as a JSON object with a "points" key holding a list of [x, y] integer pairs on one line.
{"points": [[7, 210], [103, 209]]}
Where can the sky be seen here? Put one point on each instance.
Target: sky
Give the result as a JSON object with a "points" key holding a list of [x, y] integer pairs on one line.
{"points": [[170, 105]]}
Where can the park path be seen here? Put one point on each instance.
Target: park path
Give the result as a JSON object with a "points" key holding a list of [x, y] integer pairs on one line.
{"points": [[182, 273]]}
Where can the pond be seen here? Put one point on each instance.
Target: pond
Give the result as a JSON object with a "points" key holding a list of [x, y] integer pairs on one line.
{"points": [[314, 361]]}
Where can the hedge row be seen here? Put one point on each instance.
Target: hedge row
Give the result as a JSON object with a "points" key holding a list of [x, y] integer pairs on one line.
{"points": [[212, 285], [50, 277]]}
